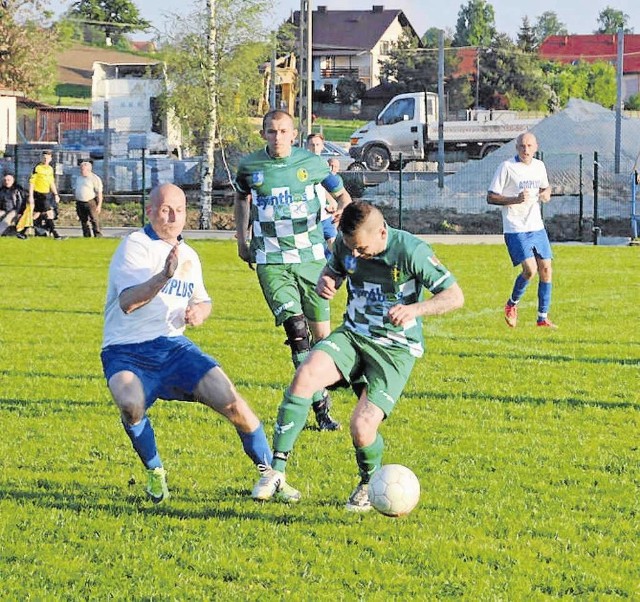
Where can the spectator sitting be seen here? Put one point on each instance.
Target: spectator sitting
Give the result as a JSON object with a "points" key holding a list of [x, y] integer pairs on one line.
{"points": [[11, 202]]}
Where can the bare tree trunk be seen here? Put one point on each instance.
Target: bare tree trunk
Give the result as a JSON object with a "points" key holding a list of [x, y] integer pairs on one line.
{"points": [[206, 179]]}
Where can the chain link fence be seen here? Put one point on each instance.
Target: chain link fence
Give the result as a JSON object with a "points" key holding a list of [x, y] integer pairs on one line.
{"points": [[588, 197]]}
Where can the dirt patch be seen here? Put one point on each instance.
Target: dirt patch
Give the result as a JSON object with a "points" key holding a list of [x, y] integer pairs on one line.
{"points": [[431, 221], [130, 215], [561, 228]]}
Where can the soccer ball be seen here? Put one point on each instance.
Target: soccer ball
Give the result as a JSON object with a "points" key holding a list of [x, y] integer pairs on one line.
{"points": [[394, 490]]}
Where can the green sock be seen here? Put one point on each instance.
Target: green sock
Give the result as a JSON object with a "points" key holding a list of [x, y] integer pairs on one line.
{"points": [[369, 458], [292, 416], [297, 359]]}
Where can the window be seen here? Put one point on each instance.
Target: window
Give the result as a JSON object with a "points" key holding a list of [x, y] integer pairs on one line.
{"points": [[385, 47], [401, 110]]}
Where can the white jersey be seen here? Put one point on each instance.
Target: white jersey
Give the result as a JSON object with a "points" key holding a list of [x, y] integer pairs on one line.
{"points": [[512, 177], [140, 256]]}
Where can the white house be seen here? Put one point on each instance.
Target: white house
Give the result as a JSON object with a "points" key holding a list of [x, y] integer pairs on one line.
{"points": [[8, 118], [351, 43], [133, 93]]}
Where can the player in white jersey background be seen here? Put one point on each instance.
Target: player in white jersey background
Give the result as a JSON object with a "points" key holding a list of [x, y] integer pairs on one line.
{"points": [[518, 187]]}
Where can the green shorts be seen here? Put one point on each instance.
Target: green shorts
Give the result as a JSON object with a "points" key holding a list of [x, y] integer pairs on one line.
{"points": [[383, 370], [290, 290]]}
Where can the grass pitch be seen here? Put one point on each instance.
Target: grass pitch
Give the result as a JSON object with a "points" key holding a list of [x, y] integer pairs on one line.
{"points": [[525, 442]]}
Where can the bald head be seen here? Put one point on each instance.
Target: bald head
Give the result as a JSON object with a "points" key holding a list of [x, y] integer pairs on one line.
{"points": [[527, 146], [164, 191], [167, 211]]}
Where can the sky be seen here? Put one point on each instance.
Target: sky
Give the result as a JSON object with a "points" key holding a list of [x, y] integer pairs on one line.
{"points": [[580, 16]]}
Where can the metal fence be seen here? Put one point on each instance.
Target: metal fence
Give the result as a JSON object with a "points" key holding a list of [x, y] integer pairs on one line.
{"points": [[589, 198]]}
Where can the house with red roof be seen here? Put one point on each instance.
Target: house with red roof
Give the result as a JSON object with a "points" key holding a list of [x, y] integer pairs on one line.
{"points": [[598, 47]]}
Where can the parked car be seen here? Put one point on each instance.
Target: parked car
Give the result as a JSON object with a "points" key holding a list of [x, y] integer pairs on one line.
{"points": [[331, 149]]}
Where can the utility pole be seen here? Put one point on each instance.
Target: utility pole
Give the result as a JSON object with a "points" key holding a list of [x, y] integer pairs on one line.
{"points": [[440, 108], [619, 98], [305, 69], [107, 148], [272, 80], [206, 176], [478, 78]]}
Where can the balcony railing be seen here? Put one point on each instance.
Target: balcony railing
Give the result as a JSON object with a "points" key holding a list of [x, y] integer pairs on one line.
{"points": [[337, 72]]}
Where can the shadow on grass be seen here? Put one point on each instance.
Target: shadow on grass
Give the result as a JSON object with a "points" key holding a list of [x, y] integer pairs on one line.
{"points": [[32, 374], [49, 494], [49, 310], [13, 403], [521, 399], [543, 357]]}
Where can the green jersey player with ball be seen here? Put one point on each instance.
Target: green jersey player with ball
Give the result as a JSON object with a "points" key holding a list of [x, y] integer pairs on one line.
{"points": [[375, 347]]}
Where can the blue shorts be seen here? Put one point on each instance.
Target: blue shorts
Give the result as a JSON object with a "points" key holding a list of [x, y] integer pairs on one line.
{"points": [[523, 245], [168, 367], [329, 228]]}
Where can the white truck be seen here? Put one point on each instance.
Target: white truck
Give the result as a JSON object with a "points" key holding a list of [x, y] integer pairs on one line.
{"points": [[409, 125]]}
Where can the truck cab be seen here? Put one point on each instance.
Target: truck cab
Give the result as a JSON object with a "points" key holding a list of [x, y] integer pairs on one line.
{"points": [[399, 128]]}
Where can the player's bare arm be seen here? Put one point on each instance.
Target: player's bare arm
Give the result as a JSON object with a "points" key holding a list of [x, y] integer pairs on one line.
{"points": [[441, 303], [545, 194], [343, 198], [241, 215], [197, 313], [493, 198], [332, 204], [138, 296], [328, 284]]}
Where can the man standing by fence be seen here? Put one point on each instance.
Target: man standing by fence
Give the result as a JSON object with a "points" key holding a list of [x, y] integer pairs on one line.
{"points": [[518, 187], [88, 193]]}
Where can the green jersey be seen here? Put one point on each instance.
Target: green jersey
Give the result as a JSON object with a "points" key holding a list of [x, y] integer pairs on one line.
{"points": [[398, 275], [286, 198]]}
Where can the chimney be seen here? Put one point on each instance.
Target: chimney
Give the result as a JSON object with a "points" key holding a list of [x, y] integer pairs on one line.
{"points": [[377, 8], [322, 9]]}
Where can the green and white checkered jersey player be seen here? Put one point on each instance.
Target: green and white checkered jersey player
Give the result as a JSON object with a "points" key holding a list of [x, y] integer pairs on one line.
{"points": [[286, 198], [397, 275], [375, 348]]}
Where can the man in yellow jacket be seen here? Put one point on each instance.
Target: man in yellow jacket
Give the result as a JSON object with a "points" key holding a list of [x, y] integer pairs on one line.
{"points": [[41, 183]]}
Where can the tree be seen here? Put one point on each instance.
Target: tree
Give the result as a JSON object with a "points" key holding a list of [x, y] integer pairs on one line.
{"points": [[241, 48], [595, 82], [28, 46], [510, 78], [475, 25], [350, 90], [548, 24], [107, 19], [526, 36], [611, 19], [416, 69]]}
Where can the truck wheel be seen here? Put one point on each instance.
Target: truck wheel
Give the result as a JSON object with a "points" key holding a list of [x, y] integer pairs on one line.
{"points": [[488, 149], [356, 166], [377, 158]]}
